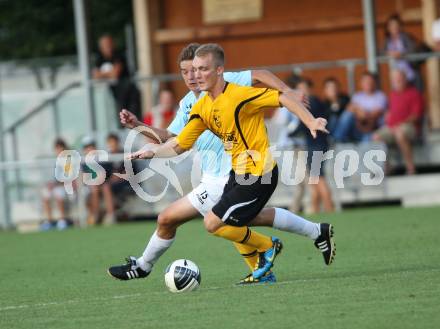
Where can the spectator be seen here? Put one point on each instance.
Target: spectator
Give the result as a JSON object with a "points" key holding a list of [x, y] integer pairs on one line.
{"points": [[398, 43], [96, 191], [54, 190], [162, 114], [335, 102], [364, 113], [320, 190], [403, 121], [119, 186], [112, 65]]}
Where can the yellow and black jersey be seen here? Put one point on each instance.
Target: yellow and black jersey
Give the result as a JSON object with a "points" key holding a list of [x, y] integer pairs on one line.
{"points": [[235, 116]]}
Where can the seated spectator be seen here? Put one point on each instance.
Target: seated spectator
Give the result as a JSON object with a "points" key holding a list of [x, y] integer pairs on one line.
{"points": [[335, 102], [364, 113], [163, 113], [403, 120], [320, 190], [96, 191], [398, 43], [119, 186], [112, 65], [54, 190]]}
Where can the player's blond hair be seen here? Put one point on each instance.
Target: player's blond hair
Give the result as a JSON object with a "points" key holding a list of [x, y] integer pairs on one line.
{"points": [[212, 48]]}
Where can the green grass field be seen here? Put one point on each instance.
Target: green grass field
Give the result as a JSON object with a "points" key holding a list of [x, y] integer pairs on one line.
{"points": [[386, 275]]}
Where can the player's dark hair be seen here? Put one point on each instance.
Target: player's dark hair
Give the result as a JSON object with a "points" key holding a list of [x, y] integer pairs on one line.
{"points": [[214, 49], [188, 53]]}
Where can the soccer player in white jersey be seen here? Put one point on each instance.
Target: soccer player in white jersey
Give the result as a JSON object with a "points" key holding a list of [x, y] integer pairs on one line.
{"points": [[215, 172]]}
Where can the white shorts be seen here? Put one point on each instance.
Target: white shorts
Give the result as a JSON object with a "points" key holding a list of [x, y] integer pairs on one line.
{"points": [[207, 193]]}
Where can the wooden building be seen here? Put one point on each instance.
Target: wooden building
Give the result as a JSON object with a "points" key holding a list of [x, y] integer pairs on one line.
{"points": [[275, 32]]}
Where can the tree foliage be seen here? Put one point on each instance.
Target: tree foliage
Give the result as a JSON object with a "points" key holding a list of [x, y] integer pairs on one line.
{"points": [[37, 28]]}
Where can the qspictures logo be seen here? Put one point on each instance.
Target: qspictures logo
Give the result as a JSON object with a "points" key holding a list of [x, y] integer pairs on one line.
{"points": [[296, 166]]}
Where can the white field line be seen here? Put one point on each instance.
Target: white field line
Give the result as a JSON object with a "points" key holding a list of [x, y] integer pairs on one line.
{"points": [[97, 299], [137, 295]]}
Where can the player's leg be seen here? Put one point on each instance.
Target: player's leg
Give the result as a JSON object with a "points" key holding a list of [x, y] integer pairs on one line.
{"points": [[169, 219], [284, 220], [266, 247], [240, 203], [205, 196], [249, 254], [239, 234]]}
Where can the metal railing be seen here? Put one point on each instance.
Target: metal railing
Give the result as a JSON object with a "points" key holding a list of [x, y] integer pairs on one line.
{"points": [[349, 65], [12, 129]]}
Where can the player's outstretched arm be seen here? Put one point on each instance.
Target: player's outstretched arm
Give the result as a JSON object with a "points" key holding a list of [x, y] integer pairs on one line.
{"points": [[176, 145], [272, 81], [269, 79], [130, 121], [168, 150], [314, 124]]}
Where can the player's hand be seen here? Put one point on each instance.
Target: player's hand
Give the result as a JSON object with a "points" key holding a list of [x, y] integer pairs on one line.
{"points": [[141, 154], [317, 124], [128, 119]]}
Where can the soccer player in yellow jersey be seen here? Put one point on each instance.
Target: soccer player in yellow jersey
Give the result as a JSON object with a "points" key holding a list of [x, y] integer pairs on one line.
{"points": [[234, 113]]}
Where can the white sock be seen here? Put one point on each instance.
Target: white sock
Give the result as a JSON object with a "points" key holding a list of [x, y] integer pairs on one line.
{"points": [[155, 248], [285, 220]]}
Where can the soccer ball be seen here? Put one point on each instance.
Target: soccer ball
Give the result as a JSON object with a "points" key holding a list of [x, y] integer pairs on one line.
{"points": [[182, 275]]}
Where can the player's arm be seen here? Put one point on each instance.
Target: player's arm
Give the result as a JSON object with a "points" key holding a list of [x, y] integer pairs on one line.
{"points": [[177, 145], [272, 81], [168, 150], [269, 79], [297, 108], [157, 135]]}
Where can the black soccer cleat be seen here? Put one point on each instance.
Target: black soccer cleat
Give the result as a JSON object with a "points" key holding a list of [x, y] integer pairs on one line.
{"points": [[325, 243], [127, 271]]}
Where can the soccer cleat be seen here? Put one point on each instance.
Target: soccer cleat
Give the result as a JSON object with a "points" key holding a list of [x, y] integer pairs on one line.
{"points": [[127, 271], [325, 243], [249, 279], [266, 259]]}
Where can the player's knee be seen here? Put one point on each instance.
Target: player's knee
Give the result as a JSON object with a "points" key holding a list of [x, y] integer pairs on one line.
{"points": [[211, 225], [164, 220], [210, 228]]}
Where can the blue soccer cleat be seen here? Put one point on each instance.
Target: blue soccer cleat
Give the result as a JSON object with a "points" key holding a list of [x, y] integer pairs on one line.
{"points": [[266, 259], [249, 279]]}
